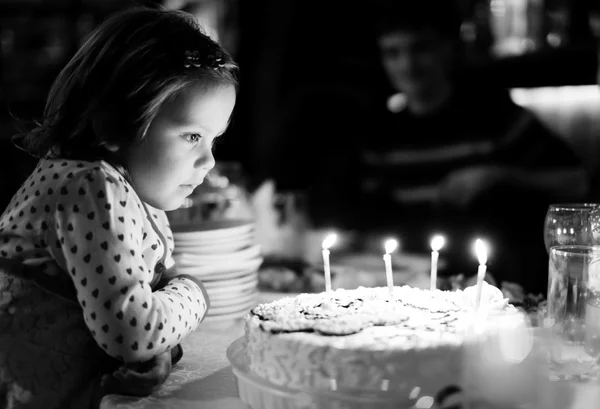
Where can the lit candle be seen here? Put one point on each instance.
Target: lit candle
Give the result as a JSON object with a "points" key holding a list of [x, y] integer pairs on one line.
{"points": [[436, 244], [481, 252], [327, 242], [390, 246]]}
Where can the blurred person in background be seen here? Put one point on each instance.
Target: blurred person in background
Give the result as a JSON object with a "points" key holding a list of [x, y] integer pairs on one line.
{"points": [[452, 153], [457, 155]]}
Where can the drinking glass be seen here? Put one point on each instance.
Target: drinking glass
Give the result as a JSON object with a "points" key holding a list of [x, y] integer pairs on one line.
{"points": [[573, 311], [572, 224]]}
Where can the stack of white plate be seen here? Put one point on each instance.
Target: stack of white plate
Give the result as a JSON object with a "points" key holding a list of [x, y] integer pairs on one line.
{"points": [[225, 256]]}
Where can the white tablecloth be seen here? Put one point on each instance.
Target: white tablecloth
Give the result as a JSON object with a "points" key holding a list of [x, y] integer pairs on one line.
{"points": [[201, 380]]}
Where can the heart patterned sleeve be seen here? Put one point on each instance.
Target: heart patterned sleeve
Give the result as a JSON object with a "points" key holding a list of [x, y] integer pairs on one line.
{"points": [[96, 233], [162, 223]]}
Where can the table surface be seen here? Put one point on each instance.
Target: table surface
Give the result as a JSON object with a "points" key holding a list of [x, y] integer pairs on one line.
{"points": [[203, 379]]}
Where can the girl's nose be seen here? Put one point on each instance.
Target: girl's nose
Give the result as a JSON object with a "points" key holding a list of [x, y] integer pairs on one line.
{"points": [[206, 160]]}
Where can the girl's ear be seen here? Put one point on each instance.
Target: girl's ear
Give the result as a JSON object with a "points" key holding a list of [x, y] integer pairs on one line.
{"points": [[102, 130], [110, 147]]}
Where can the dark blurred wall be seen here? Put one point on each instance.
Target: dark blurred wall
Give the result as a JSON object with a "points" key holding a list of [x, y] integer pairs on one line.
{"points": [[291, 52], [37, 38], [290, 46], [287, 47]]}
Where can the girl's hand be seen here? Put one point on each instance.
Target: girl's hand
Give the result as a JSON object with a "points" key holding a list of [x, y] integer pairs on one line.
{"points": [[139, 379], [194, 279], [166, 278]]}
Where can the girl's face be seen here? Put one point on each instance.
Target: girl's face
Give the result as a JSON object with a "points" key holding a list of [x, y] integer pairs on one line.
{"points": [[176, 153]]}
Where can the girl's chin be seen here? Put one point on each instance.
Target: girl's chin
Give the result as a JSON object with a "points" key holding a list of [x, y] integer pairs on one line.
{"points": [[168, 204], [173, 204]]}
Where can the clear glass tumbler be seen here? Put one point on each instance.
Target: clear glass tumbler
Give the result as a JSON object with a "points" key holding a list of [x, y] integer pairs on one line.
{"points": [[573, 311], [572, 224]]}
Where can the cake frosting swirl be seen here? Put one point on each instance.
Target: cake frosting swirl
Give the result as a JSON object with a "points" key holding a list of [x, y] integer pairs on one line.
{"points": [[367, 338]]}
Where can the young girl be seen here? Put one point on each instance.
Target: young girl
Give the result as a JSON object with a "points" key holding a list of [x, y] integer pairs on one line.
{"points": [[89, 300]]}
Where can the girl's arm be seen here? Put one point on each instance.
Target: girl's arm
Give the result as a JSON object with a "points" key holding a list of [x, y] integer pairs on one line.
{"points": [[99, 235]]}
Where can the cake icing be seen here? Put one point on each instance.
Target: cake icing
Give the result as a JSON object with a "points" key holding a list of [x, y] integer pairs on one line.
{"points": [[365, 338]]}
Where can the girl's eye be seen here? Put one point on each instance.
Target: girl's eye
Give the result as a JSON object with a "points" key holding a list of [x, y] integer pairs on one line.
{"points": [[192, 137]]}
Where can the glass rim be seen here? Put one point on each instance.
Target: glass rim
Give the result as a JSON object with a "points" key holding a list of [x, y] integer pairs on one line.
{"points": [[573, 206], [575, 249]]}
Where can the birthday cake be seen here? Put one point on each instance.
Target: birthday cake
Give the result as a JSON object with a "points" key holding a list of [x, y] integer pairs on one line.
{"points": [[365, 338]]}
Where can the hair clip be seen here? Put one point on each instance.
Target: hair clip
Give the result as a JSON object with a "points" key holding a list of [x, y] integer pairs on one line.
{"points": [[192, 58], [213, 59]]}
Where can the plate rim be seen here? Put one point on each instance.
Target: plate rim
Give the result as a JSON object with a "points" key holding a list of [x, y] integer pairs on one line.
{"points": [[253, 250], [246, 265], [213, 227]]}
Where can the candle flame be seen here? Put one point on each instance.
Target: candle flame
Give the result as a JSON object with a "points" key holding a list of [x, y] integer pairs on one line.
{"points": [[390, 246], [437, 243], [329, 241], [481, 251]]}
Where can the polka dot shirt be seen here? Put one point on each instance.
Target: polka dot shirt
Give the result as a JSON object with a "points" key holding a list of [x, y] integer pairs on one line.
{"points": [[83, 222]]}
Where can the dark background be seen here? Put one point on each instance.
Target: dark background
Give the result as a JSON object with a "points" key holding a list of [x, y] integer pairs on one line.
{"points": [[283, 47]]}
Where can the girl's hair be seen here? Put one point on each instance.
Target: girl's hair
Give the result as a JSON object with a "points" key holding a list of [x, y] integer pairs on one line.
{"points": [[116, 83]]}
